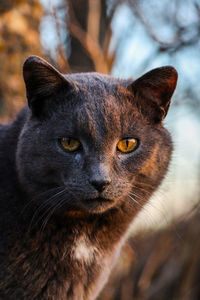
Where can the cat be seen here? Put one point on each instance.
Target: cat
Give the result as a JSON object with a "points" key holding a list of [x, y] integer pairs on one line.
{"points": [[77, 165]]}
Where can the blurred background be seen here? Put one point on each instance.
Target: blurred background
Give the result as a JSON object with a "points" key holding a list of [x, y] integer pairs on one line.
{"points": [[126, 39]]}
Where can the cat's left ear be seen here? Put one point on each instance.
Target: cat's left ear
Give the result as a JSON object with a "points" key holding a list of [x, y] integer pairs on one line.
{"points": [[153, 92], [43, 83]]}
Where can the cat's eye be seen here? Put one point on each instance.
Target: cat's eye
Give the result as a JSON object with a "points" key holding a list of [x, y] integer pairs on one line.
{"points": [[127, 145], [70, 144]]}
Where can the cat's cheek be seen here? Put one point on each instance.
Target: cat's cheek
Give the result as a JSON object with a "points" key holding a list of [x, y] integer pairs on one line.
{"points": [[75, 162], [129, 164], [71, 166], [78, 159]]}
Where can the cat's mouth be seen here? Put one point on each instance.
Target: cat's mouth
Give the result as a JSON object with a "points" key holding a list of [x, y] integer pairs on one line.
{"points": [[99, 200], [98, 205]]}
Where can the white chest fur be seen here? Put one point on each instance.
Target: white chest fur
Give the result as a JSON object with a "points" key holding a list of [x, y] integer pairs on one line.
{"points": [[84, 251]]}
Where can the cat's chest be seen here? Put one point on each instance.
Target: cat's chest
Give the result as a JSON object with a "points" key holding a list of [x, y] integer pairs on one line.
{"points": [[95, 264], [84, 251], [51, 268], [80, 272]]}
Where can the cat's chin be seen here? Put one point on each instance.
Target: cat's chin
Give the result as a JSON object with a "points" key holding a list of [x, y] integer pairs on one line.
{"points": [[97, 205], [85, 207]]}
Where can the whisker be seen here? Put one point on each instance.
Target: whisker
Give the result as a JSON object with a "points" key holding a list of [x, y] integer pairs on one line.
{"points": [[142, 190], [135, 201], [42, 206], [62, 201], [151, 204], [155, 196], [135, 195], [39, 196], [142, 207], [50, 213]]}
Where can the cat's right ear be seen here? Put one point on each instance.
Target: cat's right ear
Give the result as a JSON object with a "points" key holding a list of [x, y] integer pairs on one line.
{"points": [[153, 91], [42, 82]]}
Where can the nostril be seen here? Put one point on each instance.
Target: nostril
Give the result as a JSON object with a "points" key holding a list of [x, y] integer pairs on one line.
{"points": [[100, 185]]}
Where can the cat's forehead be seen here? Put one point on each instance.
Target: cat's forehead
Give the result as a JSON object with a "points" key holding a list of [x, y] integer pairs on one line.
{"points": [[97, 91], [101, 109], [99, 94], [96, 80]]}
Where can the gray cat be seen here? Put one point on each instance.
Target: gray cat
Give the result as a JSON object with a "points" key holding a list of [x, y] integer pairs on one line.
{"points": [[77, 165]]}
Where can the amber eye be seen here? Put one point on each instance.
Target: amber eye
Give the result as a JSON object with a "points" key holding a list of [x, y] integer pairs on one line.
{"points": [[127, 145], [70, 144]]}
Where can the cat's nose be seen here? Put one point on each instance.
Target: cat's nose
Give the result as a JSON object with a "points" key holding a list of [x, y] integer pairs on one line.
{"points": [[100, 184]]}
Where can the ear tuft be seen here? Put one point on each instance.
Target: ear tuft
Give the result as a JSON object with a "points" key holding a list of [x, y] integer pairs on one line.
{"points": [[154, 90]]}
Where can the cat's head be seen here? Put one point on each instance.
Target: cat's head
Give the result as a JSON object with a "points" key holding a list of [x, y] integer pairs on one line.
{"points": [[90, 141]]}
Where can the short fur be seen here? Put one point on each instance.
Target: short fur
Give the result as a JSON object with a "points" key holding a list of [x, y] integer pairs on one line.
{"points": [[61, 232]]}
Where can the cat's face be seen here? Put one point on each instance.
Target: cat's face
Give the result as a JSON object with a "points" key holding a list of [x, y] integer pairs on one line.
{"points": [[89, 141]]}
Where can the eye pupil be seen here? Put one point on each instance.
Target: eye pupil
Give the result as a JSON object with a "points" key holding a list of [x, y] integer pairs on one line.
{"points": [[127, 145], [70, 144]]}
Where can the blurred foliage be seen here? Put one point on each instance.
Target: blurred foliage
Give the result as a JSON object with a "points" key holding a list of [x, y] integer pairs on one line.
{"points": [[83, 31], [19, 37], [159, 265], [89, 26]]}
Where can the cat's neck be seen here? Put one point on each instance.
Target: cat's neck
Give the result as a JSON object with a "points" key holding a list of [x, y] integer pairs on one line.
{"points": [[88, 247], [104, 230]]}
